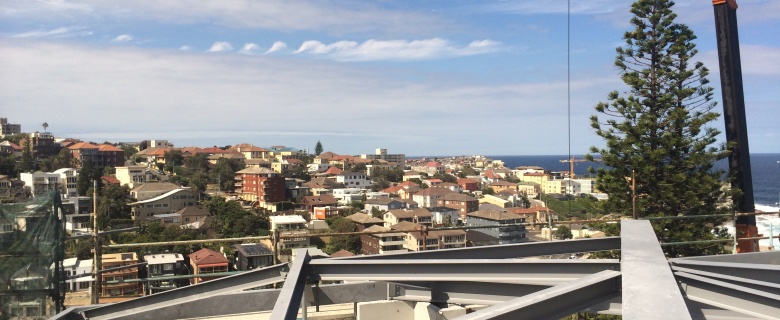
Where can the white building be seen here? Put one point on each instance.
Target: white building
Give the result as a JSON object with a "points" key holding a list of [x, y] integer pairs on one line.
{"points": [[354, 179], [41, 183], [74, 267], [381, 154], [68, 179], [132, 176], [293, 225], [348, 195]]}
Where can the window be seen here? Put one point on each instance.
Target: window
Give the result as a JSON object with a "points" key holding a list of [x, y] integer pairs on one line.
{"points": [[168, 266]]}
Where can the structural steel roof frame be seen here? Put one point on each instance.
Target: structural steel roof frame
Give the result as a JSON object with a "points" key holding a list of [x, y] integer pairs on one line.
{"points": [[644, 285]]}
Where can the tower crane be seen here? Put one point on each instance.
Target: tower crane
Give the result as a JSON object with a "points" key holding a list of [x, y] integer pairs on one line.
{"points": [[571, 162]]}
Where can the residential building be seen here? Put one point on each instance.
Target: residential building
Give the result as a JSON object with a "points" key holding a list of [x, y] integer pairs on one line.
{"points": [[9, 129], [41, 183], [502, 186], [381, 154], [364, 221], [322, 213], [475, 238], [169, 202], [326, 200], [249, 256], [552, 186], [8, 148], [418, 215], [462, 202], [444, 216], [529, 189], [498, 220], [429, 197], [162, 265], [151, 189], [183, 217], [257, 163], [205, 262], [382, 243], [452, 186], [354, 179], [384, 204], [251, 152], [112, 156], [6, 188], [73, 267], [121, 289], [294, 226], [535, 177], [260, 185], [132, 176], [345, 196], [496, 200], [42, 145], [215, 158], [431, 168]]}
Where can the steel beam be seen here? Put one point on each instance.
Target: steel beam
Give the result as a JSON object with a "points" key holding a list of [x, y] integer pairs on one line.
{"points": [[463, 292], [754, 271], [729, 296], [289, 301], [247, 280], [769, 257], [749, 283], [645, 270], [515, 250], [519, 271], [555, 302]]}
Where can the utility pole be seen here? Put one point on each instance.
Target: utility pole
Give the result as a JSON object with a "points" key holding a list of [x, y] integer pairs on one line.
{"points": [[96, 258], [633, 192]]}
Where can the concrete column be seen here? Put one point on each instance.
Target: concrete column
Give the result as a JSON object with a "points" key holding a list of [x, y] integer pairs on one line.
{"points": [[385, 310]]}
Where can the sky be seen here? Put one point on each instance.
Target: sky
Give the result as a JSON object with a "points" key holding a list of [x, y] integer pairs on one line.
{"points": [[451, 77]]}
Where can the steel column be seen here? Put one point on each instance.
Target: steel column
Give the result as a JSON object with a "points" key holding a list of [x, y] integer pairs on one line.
{"points": [[289, 301]]}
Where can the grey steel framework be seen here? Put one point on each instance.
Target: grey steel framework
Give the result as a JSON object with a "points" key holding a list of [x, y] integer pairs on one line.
{"points": [[642, 285]]}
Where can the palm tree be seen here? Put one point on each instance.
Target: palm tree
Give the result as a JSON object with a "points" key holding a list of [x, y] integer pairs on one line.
{"points": [[45, 125]]}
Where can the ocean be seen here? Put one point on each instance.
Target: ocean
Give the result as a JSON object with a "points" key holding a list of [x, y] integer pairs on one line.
{"points": [[765, 169]]}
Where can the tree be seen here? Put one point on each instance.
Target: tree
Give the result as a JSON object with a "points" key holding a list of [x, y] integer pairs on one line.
{"points": [[350, 243], [87, 173], [563, 233], [26, 163], [468, 171], [658, 131], [113, 203], [318, 148], [173, 158]]}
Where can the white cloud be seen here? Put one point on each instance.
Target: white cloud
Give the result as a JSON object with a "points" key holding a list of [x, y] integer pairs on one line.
{"points": [[277, 46], [250, 48], [58, 32], [185, 48], [123, 38], [396, 49], [220, 46]]}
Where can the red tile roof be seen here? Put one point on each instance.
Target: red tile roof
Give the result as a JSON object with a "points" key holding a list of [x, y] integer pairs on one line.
{"points": [[82, 145], [110, 180], [334, 171], [108, 147], [206, 256]]}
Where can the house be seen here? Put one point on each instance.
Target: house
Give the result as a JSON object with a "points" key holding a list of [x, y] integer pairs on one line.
{"points": [[496, 200], [498, 219], [475, 238], [431, 168], [346, 196], [257, 163], [364, 221], [408, 192], [132, 176], [169, 202], [215, 158], [409, 175], [462, 202], [383, 241], [293, 228], [468, 184], [42, 145], [206, 261], [322, 213], [107, 180], [502, 186], [41, 184], [528, 189], [120, 289], [427, 198], [432, 182], [419, 215], [321, 185], [384, 204], [162, 265], [73, 267], [251, 152], [489, 176], [445, 216], [311, 202], [151, 189], [260, 185], [354, 179], [183, 217], [249, 256], [436, 239], [8, 148], [452, 186]]}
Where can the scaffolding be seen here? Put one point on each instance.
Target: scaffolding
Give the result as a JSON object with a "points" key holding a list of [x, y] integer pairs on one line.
{"points": [[32, 238]]}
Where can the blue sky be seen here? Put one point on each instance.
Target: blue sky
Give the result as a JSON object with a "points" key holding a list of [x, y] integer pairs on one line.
{"points": [[415, 77]]}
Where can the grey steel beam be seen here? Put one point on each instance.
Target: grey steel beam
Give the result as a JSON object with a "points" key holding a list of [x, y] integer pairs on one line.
{"points": [[648, 283], [247, 280], [521, 271], [729, 296], [555, 302], [504, 251], [769, 257], [463, 292], [702, 311], [289, 301], [768, 287], [754, 271]]}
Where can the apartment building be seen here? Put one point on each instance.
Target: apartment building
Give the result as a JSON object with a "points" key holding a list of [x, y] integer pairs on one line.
{"points": [[261, 185], [132, 176], [162, 265], [293, 225], [120, 289], [500, 221], [169, 202], [382, 243]]}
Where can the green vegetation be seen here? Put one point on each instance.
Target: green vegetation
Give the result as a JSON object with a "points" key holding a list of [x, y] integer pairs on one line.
{"points": [[658, 131], [581, 208], [563, 232], [318, 148]]}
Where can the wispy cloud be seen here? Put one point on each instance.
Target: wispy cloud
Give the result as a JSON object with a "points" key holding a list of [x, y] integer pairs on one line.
{"points": [[277, 47], [396, 49], [220, 46], [123, 38], [58, 32], [250, 49]]}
